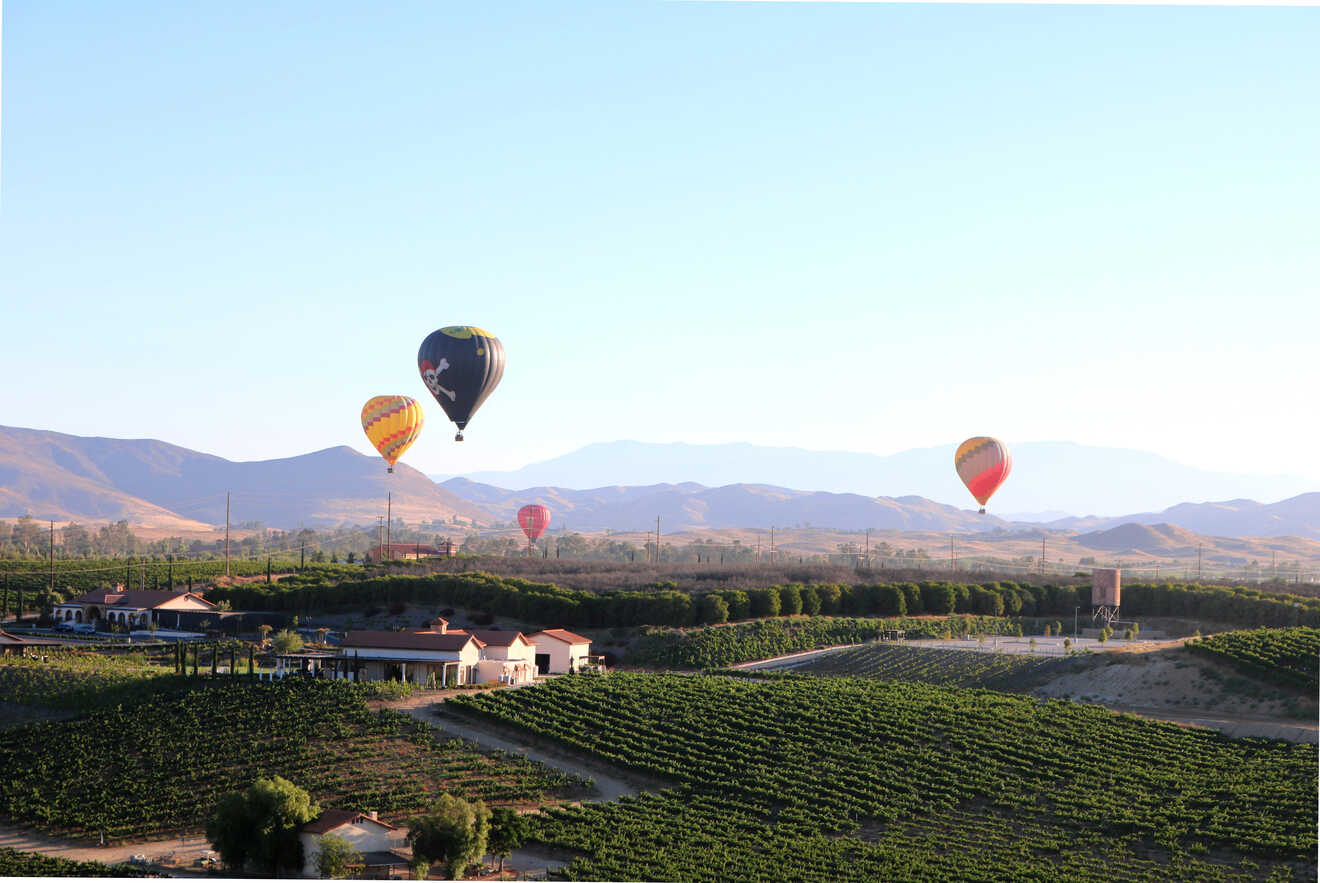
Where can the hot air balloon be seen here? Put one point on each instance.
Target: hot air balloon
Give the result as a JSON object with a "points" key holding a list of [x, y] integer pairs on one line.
{"points": [[392, 423], [533, 519], [461, 365], [983, 463]]}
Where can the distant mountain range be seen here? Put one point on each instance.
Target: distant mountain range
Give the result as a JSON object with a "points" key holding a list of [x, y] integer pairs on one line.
{"points": [[55, 476], [1049, 478], [50, 475], [690, 506]]}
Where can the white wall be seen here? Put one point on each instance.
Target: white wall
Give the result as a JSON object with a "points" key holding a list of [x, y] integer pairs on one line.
{"points": [[365, 837]]}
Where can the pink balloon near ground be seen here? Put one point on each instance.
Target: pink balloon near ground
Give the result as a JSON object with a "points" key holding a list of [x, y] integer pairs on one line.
{"points": [[533, 519]]}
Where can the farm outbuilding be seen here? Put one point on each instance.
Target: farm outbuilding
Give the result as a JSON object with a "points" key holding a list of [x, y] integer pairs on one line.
{"points": [[382, 847], [559, 651]]}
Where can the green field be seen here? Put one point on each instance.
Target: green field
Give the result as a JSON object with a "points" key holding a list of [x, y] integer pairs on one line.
{"points": [[161, 766], [850, 779], [715, 646], [928, 665], [1290, 656]]}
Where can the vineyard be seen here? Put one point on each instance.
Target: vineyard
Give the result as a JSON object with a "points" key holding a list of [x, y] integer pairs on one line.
{"points": [[717, 646], [82, 681], [1289, 656], [31, 864], [77, 576], [160, 767], [849, 779], [955, 668]]}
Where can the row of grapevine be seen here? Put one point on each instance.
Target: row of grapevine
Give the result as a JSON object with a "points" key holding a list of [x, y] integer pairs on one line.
{"points": [[14, 863], [716, 646], [929, 665], [1289, 656], [161, 766], [849, 779], [75, 680]]}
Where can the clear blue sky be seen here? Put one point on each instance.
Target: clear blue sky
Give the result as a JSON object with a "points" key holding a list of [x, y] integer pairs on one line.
{"points": [[838, 226]]}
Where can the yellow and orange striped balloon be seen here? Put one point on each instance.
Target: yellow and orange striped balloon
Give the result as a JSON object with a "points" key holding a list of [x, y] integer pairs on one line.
{"points": [[392, 423]]}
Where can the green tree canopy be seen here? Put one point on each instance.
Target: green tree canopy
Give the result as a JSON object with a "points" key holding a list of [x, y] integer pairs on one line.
{"points": [[508, 831], [453, 832], [259, 827], [288, 641], [335, 857]]}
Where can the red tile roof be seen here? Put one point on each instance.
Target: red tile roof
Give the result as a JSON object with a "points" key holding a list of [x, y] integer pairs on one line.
{"points": [[330, 819], [497, 638], [408, 640], [563, 635], [147, 599]]}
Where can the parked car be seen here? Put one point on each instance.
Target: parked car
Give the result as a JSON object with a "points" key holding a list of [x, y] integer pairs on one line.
{"points": [[83, 628]]}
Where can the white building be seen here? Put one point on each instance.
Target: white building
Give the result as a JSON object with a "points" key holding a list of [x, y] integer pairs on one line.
{"points": [[131, 608], [382, 846], [559, 651], [506, 657], [422, 658]]}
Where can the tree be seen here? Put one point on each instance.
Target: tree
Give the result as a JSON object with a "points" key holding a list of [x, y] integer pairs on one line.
{"points": [[454, 832], [259, 827], [287, 641], [714, 609], [265, 631], [508, 830], [336, 855]]}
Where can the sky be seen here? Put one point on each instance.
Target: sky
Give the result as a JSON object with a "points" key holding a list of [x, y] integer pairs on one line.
{"points": [[838, 226]]}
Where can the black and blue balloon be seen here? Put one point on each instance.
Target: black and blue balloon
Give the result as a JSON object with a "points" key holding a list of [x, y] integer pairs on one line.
{"points": [[461, 366]]}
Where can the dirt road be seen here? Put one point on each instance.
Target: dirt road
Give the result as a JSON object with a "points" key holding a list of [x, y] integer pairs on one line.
{"points": [[181, 853], [611, 783]]}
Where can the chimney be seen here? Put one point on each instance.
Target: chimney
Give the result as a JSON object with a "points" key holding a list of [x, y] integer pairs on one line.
{"points": [[372, 815]]}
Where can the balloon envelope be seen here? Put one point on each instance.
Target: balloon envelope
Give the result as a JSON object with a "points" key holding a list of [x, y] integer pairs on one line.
{"points": [[461, 366], [533, 519], [983, 463], [392, 423]]}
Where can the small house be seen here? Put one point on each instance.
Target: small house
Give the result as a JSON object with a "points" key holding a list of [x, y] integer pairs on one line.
{"points": [[131, 608], [559, 651], [382, 847]]}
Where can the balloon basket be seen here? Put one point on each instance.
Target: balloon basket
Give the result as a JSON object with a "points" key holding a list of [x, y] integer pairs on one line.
{"points": [[981, 511], [390, 470], [458, 436]]}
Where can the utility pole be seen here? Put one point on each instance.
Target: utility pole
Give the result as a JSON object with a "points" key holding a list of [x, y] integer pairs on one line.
{"points": [[226, 533], [868, 548], [772, 544], [389, 499], [657, 539], [1042, 556], [380, 538], [1199, 547], [953, 559], [52, 558]]}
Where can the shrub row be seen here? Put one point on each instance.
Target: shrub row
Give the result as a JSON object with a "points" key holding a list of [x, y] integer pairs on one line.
{"points": [[547, 603]]}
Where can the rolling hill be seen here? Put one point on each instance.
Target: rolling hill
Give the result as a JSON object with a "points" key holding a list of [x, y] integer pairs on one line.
{"points": [[52, 475], [1047, 476], [692, 506]]}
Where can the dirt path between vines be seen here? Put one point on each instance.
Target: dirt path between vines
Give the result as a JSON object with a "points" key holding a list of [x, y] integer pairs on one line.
{"points": [[611, 782], [180, 853]]}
